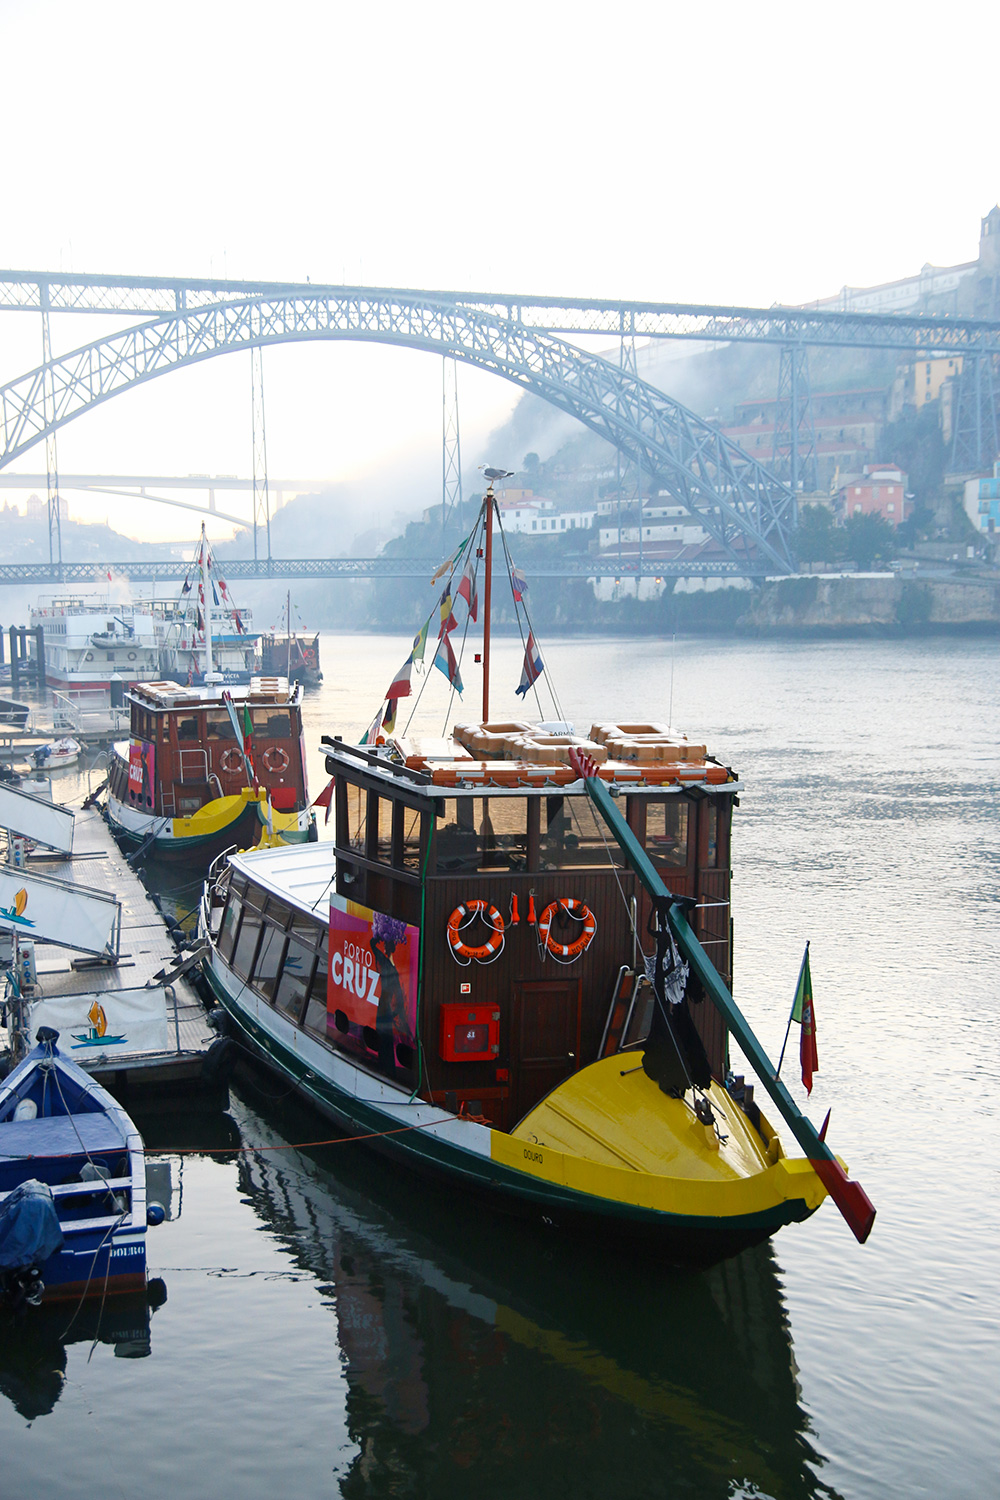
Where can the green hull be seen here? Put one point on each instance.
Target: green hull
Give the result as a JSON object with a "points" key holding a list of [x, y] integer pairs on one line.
{"points": [[677, 1239]]}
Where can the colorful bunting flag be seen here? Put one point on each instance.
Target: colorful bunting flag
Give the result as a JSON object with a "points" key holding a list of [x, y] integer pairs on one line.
{"points": [[518, 583], [420, 640], [371, 734], [467, 588], [533, 666], [400, 687], [186, 587], [389, 720], [448, 563], [446, 663], [448, 621], [325, 798]]}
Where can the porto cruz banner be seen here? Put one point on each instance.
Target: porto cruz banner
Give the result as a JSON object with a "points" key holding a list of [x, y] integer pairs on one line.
{"points": [[141, 765], [372, 978]]}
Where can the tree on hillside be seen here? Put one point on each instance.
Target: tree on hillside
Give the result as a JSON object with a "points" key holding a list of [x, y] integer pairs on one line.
{"points": [[914, 442], [817, 538], [868, 540]]}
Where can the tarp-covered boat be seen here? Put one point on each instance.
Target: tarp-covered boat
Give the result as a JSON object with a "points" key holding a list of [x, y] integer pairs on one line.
{"points": [[72, 1184]]}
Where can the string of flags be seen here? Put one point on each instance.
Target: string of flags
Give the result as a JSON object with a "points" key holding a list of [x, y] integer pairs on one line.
{"points": [[444, 658]]}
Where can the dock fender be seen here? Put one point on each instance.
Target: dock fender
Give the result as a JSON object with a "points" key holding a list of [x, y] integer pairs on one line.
{"points": [[220, 1060]]}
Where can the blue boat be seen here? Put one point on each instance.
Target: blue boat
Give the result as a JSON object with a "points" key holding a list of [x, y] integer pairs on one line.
{"points": [[72, 1184]]}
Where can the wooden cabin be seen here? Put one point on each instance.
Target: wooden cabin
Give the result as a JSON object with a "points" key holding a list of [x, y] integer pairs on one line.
{"points": [[426, 829], [186, 741]]}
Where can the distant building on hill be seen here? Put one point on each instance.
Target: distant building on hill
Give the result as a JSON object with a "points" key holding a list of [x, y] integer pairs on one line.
{"points": [[982, 503], [523, 511], [879, 491]]}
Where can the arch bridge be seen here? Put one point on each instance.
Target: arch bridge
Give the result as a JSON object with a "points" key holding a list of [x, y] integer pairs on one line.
{"points": [[745, 508]]}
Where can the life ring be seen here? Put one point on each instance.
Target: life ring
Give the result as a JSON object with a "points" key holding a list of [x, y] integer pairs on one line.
{"points": [[131, 656], [89, 656], [580, 913], [275, 759], [232, 760], [466, 952]]}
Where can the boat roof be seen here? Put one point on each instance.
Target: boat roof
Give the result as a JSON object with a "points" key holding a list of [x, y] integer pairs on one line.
{"points": [[260, 692], [303, 874], [521, 755]]}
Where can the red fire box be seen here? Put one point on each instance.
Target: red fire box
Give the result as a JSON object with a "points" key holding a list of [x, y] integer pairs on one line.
{"points": [[470, 1033]]}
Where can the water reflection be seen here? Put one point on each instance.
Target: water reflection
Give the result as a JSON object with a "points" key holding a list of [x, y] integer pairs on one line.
{"points": [[33, 1343], [478, 1354]]}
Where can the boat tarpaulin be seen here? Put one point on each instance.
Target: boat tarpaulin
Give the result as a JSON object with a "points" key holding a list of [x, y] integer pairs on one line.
{"points": [[29, 1227]]}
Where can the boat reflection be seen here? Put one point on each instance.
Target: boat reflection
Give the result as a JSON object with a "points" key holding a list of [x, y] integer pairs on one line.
{"points": [[33, 1343], [480, 1354]]}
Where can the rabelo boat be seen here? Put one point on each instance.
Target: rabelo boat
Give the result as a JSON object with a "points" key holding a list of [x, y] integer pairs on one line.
{"points": [[511, 969]]}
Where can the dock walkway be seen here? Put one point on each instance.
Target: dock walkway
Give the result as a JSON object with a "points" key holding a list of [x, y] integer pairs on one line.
{"points": [[147, 954]]}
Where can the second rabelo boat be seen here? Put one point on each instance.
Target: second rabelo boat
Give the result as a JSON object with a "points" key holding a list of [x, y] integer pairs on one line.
{"points": [[511, 968]]}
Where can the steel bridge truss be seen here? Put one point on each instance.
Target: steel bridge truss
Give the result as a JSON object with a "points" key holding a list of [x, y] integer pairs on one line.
{"points": [[248, 569], [746, 510]]}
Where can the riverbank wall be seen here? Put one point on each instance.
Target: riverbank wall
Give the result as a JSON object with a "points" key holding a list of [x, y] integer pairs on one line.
{"points": [[881, 604]]}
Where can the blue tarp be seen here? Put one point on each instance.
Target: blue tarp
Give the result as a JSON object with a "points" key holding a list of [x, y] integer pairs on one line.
{"points": [[29, 1227]]}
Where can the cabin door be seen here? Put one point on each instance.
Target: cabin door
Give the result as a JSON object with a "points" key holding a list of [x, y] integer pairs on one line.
{"points": [[545, 1040]]}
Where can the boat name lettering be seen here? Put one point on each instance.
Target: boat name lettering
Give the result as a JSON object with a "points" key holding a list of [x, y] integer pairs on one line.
{"points": [[535, 1156], [125, 1250], [351, 974]]}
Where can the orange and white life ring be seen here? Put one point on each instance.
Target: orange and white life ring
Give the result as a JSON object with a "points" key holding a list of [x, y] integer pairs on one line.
{"points": [[460, 918], [232, 760], [581, 913], [275, 759]]}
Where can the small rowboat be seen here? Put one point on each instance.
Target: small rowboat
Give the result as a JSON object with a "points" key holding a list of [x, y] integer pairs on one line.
{"points": [[72, 1184], [56, 753]]}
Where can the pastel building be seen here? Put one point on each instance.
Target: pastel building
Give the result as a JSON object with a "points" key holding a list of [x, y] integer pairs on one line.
{"points": [[879, 491], [982, 502]]}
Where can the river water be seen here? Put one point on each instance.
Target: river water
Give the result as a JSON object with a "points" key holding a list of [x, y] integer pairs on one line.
{"points": [[330, 1329]]}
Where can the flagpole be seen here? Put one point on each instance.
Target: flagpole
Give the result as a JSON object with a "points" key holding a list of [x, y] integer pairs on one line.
{"points": [[487, 600], [791, 1013]]}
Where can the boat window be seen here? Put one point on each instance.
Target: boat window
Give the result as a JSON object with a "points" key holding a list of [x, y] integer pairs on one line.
{"points": [[187, 729], [667, 830], [572, 835], [278, 911], [482, 833], [383, 848], [268, 965], [256, 897], [316, 1013], [246, 943], [276, 726], [411, 838], [357, 808], [227, 932], [219, 726], [296, 974], [712, 850]]}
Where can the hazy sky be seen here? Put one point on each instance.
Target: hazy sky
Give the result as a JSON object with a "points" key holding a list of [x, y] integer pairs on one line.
{"points": [[712, 152]]}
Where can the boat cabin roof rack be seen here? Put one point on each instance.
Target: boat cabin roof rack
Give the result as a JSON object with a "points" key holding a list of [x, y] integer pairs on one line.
{"points": [[166, 694]]}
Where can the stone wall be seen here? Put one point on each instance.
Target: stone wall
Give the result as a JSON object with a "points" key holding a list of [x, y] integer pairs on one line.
{"points": [[895, 604]]}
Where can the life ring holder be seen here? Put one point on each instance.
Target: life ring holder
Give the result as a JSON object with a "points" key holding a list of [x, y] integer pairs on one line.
{"points": [[232, 760], [275, 759], [567, 953], [463, 953]]}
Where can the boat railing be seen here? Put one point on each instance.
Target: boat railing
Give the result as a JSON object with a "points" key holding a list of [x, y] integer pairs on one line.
{"points": [[86, 710], [194, 765]]}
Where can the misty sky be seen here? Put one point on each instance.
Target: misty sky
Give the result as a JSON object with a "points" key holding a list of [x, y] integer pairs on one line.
{"points": [[721, 152]]}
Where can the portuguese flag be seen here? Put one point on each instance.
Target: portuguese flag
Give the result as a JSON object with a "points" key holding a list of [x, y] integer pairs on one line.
{"points": [[803, 1012]]}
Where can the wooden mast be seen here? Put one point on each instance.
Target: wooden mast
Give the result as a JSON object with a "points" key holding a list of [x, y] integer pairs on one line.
{"points": [[487, 601]]}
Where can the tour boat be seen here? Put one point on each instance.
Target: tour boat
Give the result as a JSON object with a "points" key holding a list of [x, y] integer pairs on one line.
{"points": [[87, 642], [204, 610], [286, 653], [511, 969], [205, 769], [72, 1184]]}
